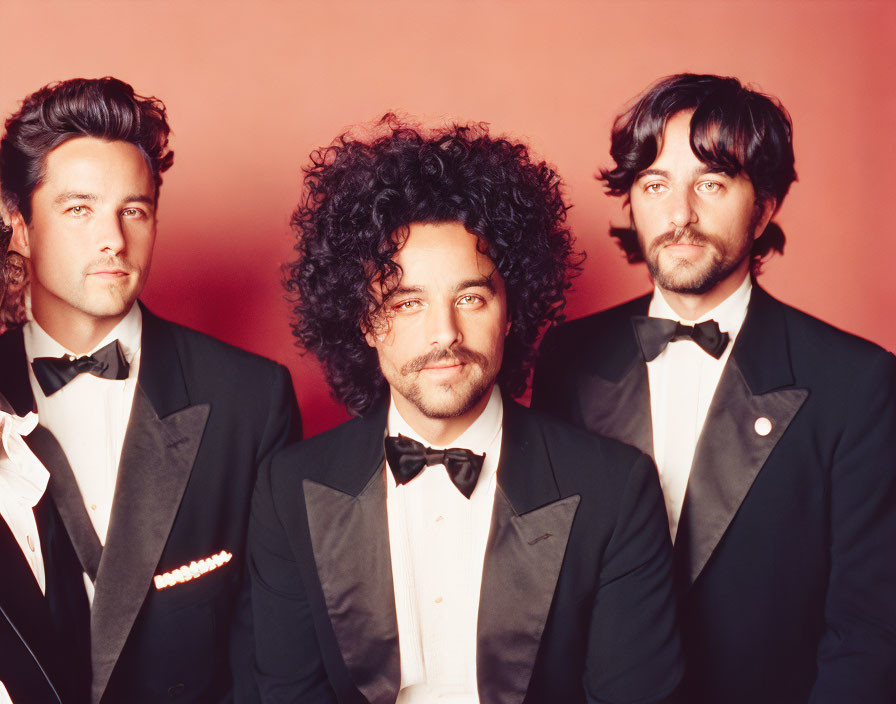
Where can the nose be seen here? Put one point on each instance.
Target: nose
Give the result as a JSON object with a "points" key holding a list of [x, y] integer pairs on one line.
{"points": [[683, 211], [112, 235], [443, 328]]}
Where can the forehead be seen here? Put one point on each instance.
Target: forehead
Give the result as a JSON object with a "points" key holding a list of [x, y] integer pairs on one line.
{"points": [[675, 147], [441, 253], [98, 167]]}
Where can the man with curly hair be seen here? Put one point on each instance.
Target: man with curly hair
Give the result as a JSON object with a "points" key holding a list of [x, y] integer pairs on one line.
{"points": [[152, 432], [449, 543], [43, 612], [774, 433]]}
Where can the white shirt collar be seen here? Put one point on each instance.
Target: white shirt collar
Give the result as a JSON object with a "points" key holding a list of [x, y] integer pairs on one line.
{"points": [[477, 438], [24, 477], [729, 314], [128, 332]]}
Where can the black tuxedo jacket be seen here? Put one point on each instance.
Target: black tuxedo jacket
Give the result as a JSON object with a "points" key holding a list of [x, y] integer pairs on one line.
{"points": [[576, 600], [784, 556], [205, 416], [43, 639]]}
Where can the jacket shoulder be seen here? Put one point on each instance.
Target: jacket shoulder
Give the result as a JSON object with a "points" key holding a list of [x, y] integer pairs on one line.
{"points": [[579, 455], [202, 349], [828, 340], [574, 334]]}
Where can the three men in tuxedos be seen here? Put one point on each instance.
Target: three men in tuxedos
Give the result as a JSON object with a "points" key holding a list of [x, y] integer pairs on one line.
{"points": [[449, 543], [773, 432], [152, 433], [43, 614]]}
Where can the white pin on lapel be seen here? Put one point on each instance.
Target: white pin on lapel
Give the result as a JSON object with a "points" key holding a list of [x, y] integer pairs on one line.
{"points": [[195, 569], [762, 426]]}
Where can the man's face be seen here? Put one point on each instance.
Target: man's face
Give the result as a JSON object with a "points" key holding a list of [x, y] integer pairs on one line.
{"points": [[440, 336], [91, 233], [695, 226]]}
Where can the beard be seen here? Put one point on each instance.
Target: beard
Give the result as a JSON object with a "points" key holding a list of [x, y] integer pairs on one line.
{"points": [[681, 275], [445, 400]]}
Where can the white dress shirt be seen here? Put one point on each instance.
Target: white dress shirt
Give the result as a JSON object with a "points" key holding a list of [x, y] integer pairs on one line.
{"points": [[437, 538], [683, 380], [89, 416], [23, 481]]}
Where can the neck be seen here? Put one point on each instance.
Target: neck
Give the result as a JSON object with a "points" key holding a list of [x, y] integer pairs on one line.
{"points": [[78, 332], [691, 306], [439, 431]]}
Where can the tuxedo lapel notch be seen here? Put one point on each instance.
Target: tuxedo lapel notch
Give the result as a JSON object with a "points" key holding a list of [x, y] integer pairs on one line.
{"points": [[530, 528]]}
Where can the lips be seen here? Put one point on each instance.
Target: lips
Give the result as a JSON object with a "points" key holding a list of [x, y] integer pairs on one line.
{"points": [[443, 371], [109, 273]]}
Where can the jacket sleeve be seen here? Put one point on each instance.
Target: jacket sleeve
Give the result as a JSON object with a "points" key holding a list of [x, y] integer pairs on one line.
{"points": [[857, 654], [634, 652], [288, 661], [282, 425]]}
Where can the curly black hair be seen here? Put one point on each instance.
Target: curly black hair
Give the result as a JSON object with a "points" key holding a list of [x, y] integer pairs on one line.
{"points": [[733, 129], [359, 197]]}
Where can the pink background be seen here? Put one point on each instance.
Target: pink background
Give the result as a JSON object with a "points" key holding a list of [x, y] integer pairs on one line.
{"points": [[252, 88]]}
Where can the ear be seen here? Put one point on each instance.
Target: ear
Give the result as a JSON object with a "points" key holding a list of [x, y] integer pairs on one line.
{"points": [[507, 329], [767, 208], [21, 238]]}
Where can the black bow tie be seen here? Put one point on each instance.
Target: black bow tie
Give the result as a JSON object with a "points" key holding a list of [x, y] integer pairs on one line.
{"points": [[408, 457], [655, 333], [52, 373]]}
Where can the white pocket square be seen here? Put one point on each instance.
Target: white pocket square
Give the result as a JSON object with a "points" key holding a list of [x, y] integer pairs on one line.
{"points": [[195, 569]]}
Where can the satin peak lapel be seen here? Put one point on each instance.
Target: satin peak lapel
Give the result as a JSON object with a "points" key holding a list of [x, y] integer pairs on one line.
{"points": [[522, 564], [615, 393], [740, 431], [526, 545], [350, 540], [156, 461], [66, 495], [620, 409]]}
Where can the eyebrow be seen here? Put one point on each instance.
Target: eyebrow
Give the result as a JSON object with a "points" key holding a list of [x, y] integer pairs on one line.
{"points": [[484, 282], [706, 169], [72, 195]]}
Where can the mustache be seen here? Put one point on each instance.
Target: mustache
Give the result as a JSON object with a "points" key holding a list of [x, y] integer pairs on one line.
{"points": [[460, 355], [109, 263], [686, 235]]}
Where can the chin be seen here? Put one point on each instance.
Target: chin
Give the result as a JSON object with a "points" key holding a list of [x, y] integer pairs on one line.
{"points": [[442, 405], [109, 309]]}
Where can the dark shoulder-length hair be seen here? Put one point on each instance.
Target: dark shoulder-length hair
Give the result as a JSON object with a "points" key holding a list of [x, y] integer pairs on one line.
{"points": [[733, 130], [360, 194]]}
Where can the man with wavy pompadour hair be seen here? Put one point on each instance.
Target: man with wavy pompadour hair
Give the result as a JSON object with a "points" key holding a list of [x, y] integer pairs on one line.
{"points": [[773, 432], [153, 432], [449, 542]]}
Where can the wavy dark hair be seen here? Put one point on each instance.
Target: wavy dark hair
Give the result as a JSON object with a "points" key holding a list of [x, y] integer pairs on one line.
{"points": [[361, 194], [105, 108], [733, 130]]}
